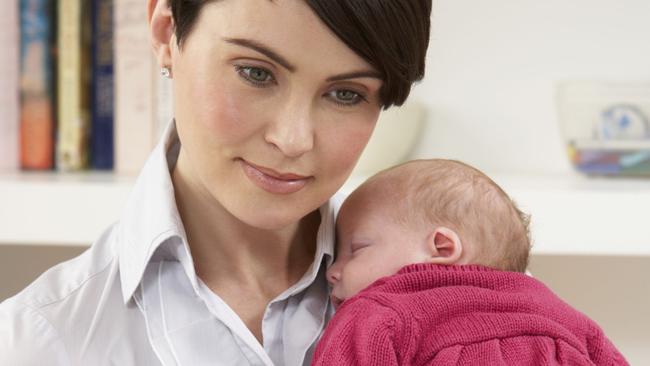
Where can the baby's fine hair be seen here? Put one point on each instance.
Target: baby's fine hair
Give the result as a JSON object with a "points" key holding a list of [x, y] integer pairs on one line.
{"points": [[449, 193]]}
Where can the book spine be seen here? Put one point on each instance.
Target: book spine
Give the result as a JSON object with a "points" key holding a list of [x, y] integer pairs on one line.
{"points": [[37, 108], [73, 119], [134, 87], [101, 145], [9, 98]]}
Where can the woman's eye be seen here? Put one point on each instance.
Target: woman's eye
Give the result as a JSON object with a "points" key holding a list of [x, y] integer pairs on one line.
{"points": [[255, 75], [346, 97]]}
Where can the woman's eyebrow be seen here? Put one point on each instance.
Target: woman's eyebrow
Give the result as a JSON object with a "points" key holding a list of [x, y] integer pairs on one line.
{"points": [[273, 55], [266, 51], [356, 75]]}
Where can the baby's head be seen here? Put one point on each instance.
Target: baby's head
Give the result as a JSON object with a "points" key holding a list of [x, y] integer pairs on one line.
{"points": [[425, 211]]}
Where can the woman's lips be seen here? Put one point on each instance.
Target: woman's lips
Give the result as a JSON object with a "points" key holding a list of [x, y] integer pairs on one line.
{"points": [[272, 181]]}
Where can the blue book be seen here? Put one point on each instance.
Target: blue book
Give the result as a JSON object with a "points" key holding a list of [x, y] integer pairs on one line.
{"points": [[102, 106]]}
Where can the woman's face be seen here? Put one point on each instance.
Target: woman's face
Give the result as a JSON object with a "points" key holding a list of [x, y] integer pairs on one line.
{"points": [[272, 109]]}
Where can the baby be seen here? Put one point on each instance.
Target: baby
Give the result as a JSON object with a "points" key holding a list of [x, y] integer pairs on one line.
{"points": [[429, 271]]}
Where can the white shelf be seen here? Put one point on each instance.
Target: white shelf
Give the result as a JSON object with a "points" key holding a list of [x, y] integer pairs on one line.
{"points": [[59, 209], [579, 215], [576, 215], [570, 215]]}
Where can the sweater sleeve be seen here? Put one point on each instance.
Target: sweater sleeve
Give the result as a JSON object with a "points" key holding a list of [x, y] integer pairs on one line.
{"points": [[362, 333], [602, 351]]}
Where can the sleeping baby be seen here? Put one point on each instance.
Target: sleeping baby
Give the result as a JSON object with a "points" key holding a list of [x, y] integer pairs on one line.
{"points": [[430, 269]]}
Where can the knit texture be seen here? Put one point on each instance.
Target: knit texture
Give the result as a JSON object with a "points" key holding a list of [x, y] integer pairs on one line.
{"points": [[461, 315]]}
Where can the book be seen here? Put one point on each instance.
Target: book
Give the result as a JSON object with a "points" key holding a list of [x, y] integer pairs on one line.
{"points": [[9, 99], [135, 122], [37, 98], [73, 80], [101, 144]]}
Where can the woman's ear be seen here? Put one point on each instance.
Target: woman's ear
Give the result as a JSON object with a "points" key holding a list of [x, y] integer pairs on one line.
{"points": [[161, 25], [444, 246]]}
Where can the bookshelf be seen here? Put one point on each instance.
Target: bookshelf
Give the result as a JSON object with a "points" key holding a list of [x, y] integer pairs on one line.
{"points": [[41, 208], [571, 215], [578, 216]]}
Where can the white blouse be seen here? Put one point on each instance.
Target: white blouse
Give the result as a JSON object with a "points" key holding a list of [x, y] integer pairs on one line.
{"points": [[134, 298]]}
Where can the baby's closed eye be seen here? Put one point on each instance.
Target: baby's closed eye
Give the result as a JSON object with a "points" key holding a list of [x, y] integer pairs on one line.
{"points": [[355, 247]]}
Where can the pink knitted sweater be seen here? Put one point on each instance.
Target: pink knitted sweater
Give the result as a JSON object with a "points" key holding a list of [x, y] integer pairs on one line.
{"points": [[461, 315]]}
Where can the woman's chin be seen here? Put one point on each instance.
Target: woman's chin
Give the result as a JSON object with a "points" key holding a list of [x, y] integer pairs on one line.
{"points": [[271, 220], [276, 214]]}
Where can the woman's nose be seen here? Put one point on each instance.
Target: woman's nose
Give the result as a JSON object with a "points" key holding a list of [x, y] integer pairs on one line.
{"points": [[292, 132]]}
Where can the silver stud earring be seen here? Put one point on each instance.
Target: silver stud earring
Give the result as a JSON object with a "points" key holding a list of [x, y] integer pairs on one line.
{"points": [[166, 72]]}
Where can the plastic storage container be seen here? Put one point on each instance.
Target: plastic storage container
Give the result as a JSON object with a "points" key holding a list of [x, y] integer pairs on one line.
{"points": [[606, 126]]}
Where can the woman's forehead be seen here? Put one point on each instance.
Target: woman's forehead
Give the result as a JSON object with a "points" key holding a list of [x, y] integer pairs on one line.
{"points": [[288, 27]]}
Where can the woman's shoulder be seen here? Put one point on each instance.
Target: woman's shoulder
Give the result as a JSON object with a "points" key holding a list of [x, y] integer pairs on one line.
{"points": [[66, 278], [57, 297], [27, 338], [72, 308], [33, 322]]}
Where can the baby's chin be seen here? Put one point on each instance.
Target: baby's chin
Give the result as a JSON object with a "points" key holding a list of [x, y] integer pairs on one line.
{"points": [[336, 302]]}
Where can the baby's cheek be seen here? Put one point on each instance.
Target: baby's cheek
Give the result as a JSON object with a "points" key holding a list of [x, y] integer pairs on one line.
{"points": [[358, 281]]}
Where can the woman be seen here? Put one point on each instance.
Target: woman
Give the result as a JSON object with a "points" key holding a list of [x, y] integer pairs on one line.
{"points": [[219, 257]]}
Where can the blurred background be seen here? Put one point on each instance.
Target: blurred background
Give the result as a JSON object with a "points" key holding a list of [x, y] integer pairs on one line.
{"points": [[549, 98]]}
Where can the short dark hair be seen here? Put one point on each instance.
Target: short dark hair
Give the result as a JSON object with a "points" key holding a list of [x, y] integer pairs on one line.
{"points": [[391, 35]]}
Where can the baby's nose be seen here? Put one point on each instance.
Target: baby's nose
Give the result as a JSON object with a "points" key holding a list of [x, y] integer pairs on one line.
{"points": [[333, 273]]}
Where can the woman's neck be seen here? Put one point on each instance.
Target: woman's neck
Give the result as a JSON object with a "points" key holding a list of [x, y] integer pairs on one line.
{"points": [[227, 251]]}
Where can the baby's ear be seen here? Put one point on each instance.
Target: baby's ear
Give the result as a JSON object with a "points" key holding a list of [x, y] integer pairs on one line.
{"points": [[444, 246]]}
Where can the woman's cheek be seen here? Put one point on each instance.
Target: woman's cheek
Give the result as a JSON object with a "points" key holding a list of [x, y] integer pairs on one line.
{"points": [[349, 142], [226, 115], [230, 114]]}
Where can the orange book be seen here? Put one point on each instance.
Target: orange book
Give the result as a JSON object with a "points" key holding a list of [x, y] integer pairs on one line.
{"points": [[37, 112]]}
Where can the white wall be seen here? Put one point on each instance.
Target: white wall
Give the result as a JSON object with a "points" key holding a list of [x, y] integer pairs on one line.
{"points": [[492, 67]]}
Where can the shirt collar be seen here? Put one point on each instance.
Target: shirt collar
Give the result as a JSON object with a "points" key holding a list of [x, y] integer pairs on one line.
{"points": [[151, 218], [324, 249]]}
